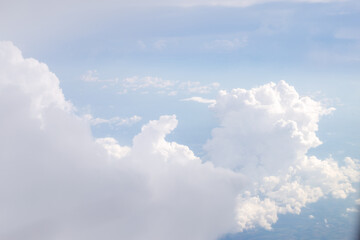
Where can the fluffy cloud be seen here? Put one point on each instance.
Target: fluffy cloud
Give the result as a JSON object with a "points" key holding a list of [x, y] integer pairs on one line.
{"points": [[265, 133], [265, 128], [58, 182]]}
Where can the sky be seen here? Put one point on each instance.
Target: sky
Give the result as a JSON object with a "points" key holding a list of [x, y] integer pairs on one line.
{"points": [[204, 120]]}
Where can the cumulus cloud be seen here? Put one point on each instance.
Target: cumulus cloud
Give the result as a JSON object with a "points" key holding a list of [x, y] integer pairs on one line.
{"points": [[267, 128], [265, 133], [58, 182]]}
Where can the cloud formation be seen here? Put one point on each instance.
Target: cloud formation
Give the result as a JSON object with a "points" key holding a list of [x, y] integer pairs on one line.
{"points": [[58, 182], [265, 133], [116, 121], [150, 84], [200, 100]]}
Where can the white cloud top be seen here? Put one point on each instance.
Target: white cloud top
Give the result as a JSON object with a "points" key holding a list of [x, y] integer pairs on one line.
{"points": [[58, 182], [267, 128], [265, 133]]}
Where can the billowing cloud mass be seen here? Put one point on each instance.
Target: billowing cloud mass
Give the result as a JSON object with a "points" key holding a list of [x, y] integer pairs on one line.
{"points": [[265, 133], [58, 182]]}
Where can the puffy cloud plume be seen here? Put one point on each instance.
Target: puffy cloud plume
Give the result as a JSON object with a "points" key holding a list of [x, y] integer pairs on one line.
{"points": [[32, 78], [265, 133], [265, 128], [58, 182]]}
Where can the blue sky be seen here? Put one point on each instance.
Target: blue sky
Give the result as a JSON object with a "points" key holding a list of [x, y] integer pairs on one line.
{"points": [[123, 64]]}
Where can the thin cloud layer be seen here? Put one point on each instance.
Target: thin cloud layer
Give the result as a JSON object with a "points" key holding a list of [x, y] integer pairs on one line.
{"points": [[200, 100], [150, 84], [116, 121], [58, 182]]}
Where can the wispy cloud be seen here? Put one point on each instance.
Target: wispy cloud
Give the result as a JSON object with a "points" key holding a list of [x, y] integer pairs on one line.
{"points": [[93, 76], [116, 121], [152, 84], [354, 210], [200, 100]]}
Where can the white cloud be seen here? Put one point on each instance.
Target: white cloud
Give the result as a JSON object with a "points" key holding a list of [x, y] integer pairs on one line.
{"points": [[253, 212], [32, 78], [351, 210], [326, 223], [197, 87], [117, 121], [148, 83], [311, 216], [265, 133], [357, 201], [200, 100], [58, 182], [135, 83], [267, 128], [90, 76], [113, 148], [93, 76]]}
